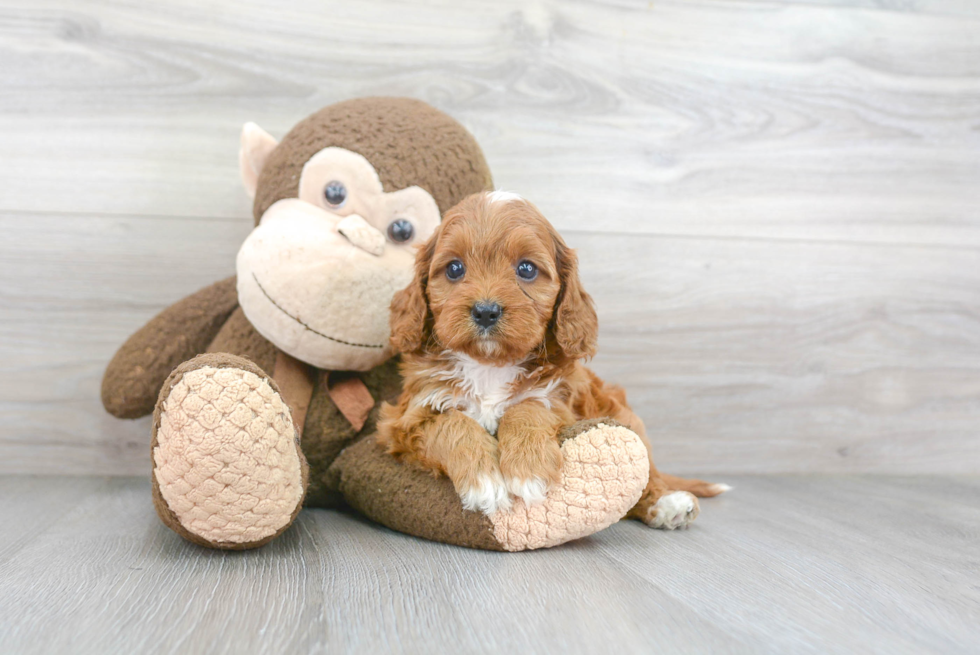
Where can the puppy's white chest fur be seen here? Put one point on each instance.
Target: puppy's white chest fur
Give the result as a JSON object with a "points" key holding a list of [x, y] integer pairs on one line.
{"points": [[482, 391]]}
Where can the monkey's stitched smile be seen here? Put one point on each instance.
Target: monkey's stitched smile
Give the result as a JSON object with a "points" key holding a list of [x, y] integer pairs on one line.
{"points": [[316, 332]]}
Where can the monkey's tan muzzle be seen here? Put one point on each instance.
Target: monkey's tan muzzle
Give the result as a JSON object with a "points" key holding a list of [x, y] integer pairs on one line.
{"points": [[362, 234]]}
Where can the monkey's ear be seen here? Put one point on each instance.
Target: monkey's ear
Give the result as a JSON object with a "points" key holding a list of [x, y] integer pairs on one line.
{"points": [[256, 146]]}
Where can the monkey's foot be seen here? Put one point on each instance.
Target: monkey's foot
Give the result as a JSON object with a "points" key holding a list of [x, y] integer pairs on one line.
{"points": [[605, 469], [228, 471]]}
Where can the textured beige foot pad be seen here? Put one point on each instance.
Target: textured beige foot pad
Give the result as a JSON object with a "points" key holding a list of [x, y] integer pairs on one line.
{"points": [[227, 469], [605, 470]]}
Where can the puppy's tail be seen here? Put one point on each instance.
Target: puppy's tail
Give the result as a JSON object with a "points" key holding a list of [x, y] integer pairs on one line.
{"points": [[699, 488]]}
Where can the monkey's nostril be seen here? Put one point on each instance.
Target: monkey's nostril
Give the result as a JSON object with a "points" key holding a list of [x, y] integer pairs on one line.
{"points": [[486, 314]]}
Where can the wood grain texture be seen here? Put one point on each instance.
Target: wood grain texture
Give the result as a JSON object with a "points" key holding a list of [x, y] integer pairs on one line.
{"points": [[803, 565], [775, 202]]}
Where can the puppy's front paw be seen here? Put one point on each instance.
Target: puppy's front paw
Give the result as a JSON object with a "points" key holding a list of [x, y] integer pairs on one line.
{"points": [[487, 494], [533, 491], [529, 471], [673, 510]]}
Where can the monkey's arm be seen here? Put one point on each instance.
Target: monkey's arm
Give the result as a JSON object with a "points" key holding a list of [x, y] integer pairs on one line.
{"points": [[136, 373]]}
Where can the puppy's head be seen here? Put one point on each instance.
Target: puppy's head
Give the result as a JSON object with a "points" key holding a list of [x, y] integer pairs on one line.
{"points": [[496, 282]]}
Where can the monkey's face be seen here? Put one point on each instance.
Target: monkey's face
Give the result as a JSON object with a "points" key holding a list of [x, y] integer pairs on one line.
{"points": [[317, 274]]}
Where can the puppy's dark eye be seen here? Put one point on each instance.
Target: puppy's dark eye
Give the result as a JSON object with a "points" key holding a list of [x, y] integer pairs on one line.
{"points": [[455, 270], [400, 230], [527, 271], [336, 193]]}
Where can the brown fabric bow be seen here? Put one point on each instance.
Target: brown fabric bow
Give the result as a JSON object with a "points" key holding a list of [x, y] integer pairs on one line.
{"points": [[346, 389], [351, 396]]}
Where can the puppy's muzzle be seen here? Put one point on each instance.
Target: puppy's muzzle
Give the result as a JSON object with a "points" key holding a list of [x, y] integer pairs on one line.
{"points": [[486, 314]]}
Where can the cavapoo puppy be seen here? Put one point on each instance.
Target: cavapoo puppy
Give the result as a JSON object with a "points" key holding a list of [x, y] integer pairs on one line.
{"points": [[492, 330]]}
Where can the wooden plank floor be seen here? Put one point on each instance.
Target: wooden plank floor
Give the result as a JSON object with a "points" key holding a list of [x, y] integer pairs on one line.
{"points": [[780, 565]]}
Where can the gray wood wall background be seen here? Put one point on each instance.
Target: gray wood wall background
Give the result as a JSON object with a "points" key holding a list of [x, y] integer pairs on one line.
{"points": [[775, 203]]}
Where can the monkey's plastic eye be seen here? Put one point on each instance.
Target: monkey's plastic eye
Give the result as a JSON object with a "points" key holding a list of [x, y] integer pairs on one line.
{"points": [[527, 271], [400, 230], [455, 270], [336, 193]]}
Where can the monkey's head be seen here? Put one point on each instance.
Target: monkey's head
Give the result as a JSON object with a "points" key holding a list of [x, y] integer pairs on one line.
{"points": [[341, 204]]}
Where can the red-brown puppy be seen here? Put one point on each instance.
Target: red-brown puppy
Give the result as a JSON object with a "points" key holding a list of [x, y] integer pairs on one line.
{"points": [[492, 331]]}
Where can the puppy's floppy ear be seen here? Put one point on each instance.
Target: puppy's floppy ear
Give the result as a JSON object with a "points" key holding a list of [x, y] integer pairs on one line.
{"points": [[575, 324], [409, 319]]}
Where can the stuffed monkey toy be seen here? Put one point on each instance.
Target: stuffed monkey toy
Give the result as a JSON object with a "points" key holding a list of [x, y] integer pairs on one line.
{"points": [[265, 387]]}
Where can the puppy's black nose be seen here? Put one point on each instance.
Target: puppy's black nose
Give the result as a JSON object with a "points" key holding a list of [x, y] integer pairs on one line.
{"points": [[485, 314]]}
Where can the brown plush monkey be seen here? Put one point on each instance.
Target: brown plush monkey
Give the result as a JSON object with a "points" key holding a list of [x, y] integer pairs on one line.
{"points": [[265, 387]]}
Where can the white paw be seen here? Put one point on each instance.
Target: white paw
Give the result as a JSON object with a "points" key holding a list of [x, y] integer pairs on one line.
{"points": [[489, 495], [674, 510], [533, 491]]}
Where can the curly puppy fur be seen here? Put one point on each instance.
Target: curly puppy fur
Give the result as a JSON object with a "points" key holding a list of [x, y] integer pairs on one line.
{"points": [[493, 329]]}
